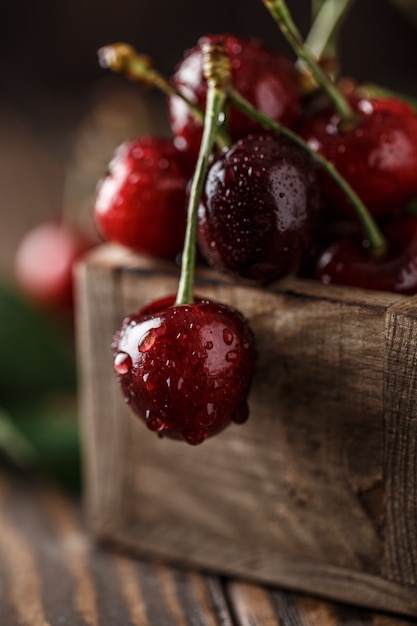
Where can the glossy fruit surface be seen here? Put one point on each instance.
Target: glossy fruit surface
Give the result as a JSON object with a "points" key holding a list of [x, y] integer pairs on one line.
{"points": [[349, 262], [141, 203], [378, 157], [186, 370], [264, 77], [259, 213], [44, 263]]}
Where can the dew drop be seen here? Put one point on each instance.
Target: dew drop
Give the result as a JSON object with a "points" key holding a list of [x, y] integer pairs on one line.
{"points": [[154, 423], [227, 336], [122, 363], [241, 414], [206, 419], [208, 345], [196, 436], [231, 356], [147, 341]]}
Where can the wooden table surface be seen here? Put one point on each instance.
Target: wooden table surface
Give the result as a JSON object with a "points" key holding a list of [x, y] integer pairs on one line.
{"points": [[53, 574]]}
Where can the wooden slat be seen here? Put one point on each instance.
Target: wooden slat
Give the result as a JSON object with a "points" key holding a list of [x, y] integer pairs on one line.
{"points": [[53, 574], [400, 443]]}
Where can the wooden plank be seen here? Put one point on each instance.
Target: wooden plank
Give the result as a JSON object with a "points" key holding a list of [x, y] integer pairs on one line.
{"points": [[51, 572], [253, 605], [400, 443]]}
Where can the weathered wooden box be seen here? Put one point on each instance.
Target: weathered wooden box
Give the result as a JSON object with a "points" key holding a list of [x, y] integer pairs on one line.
{"points": [[317, 491]]}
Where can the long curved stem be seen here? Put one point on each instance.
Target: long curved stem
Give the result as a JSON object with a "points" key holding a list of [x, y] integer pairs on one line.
{"points": [[123, 58], [371, 231], [279, 11], [323, 32], [218, 79]]}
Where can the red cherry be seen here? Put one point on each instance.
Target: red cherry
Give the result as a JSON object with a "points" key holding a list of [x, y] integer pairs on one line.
{"points": [[44, 263], [349, 262], [186, 370], [141, 204], [259, 213], [378, 157], [264, 77]]}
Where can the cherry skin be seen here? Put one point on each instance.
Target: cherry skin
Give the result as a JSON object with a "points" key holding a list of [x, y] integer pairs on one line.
{"points": [[348, 262], [186, 370], [44, 263], [260, 209], [264, 77], [141, 203], [378, 156]]}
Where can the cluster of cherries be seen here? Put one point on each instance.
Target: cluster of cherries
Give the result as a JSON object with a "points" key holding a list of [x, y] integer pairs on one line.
{"points": [[267, 208]]}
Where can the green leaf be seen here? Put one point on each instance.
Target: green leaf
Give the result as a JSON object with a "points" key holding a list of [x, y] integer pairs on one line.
{"points": [[36, 355], [51, 429], [14, 445]]}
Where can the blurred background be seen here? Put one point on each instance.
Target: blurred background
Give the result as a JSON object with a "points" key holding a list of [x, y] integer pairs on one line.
{"points": [[61, 116]]}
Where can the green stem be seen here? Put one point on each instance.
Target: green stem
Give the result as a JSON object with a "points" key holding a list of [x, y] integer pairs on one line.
{"points": [[371, 231], [279, 11], [123, 58], [217, 82], [324, 30]]}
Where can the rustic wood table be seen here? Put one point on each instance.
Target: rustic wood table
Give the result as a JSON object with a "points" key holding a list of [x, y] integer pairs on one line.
{"points": [[53, 574]]}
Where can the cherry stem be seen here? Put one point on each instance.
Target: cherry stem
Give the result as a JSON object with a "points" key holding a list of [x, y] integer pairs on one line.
{"points": [[377, 242], [123, 58], [327, 21], [279, 11], [216, 67]]}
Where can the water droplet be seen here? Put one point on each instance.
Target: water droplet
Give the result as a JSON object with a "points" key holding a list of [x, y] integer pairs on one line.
{"points": [[227, 336], [231, 356], [180, 383], [147, 341], [208, 345], [241, 414], [154, 423], [122, 363], [163, 164], [196, 436], [206, 419]]}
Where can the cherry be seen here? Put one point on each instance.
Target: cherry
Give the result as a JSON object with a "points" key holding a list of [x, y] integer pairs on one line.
{"points": [[259, 212], [349, 262], [186, 369], [377, 155], [141, 203], [263, 76], [44, 263], [185, 364]]}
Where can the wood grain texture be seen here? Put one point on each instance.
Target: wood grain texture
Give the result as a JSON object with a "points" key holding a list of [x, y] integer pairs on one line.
{"points": [[53, 574], [400, 449], [311, 493]]}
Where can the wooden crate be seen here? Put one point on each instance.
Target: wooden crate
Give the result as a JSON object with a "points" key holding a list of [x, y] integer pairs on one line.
{"points": [[317, 492]]}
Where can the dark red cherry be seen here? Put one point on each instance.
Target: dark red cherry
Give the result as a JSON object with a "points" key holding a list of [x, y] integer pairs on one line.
{"points": [[141, 203], [259, 213], [186, 370], [378, 157], [349, 262], [263, 76]]}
